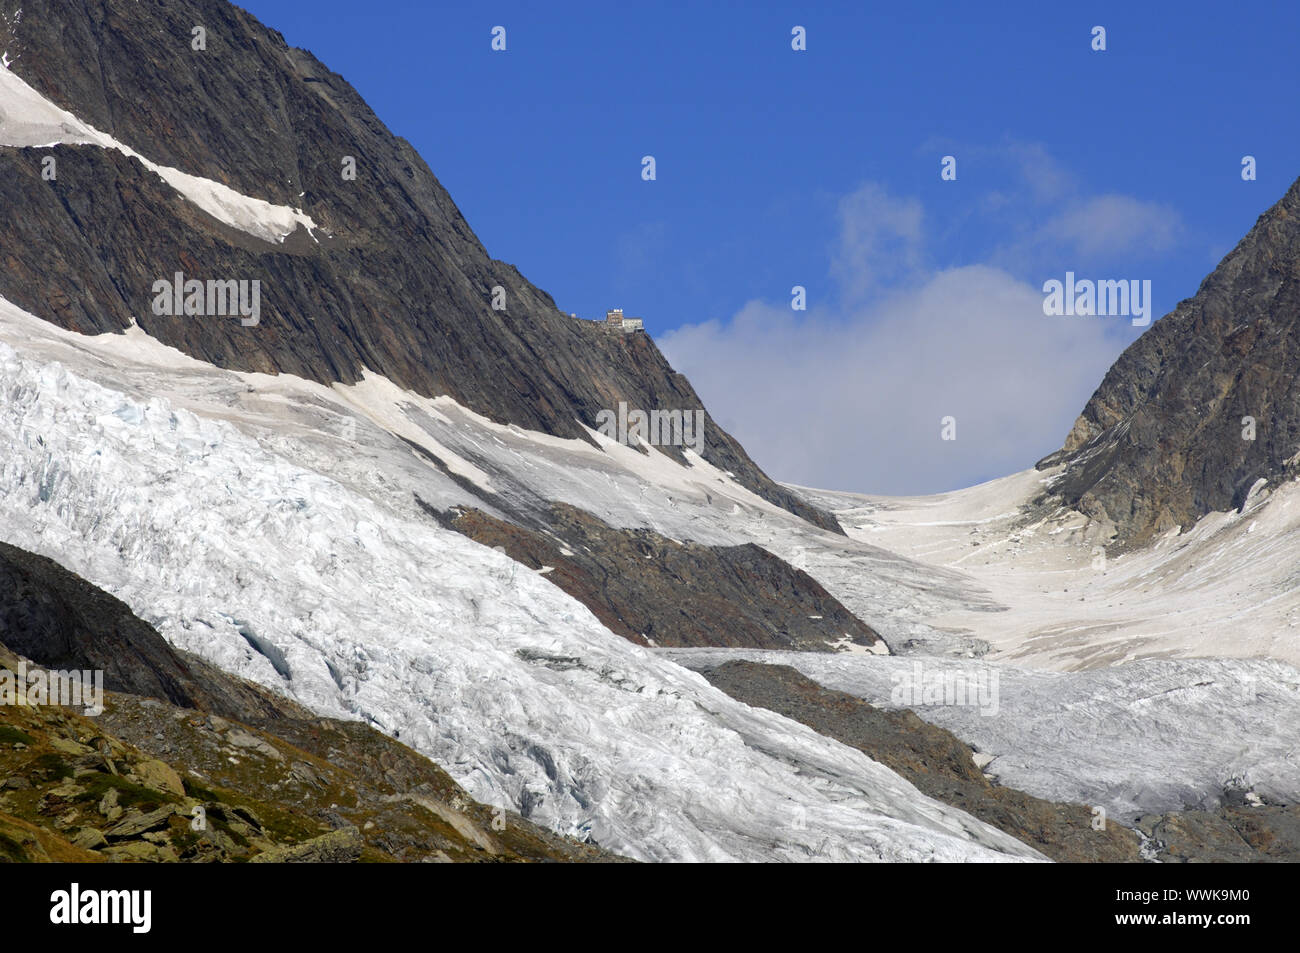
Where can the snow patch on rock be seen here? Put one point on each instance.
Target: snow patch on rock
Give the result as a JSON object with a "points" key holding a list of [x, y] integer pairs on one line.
{"points": [[29, 120]]}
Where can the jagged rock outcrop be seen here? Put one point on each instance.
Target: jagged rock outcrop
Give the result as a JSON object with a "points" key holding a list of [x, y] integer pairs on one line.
{"points": [[1232, 834], [337, 847], [393, 280], [656, 591], [1165, 440]]}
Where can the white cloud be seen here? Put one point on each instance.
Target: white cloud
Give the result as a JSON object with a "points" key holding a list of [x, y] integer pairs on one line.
{"points": [[855, 402], [1115, 225], [1046, 178], [879, 241], [1038, 219], [850, 396]]}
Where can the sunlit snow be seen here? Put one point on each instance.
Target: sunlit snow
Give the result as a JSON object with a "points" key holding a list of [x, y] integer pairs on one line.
{"points": [[28, 119], [514, 687], [212, 501]]}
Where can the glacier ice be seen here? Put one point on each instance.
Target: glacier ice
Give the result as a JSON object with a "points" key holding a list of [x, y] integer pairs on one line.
{"points": [[271, 525], [1148, 736], [212, 534]]}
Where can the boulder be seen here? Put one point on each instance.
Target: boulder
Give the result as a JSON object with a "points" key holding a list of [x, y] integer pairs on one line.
{"points": [[337, 847]]}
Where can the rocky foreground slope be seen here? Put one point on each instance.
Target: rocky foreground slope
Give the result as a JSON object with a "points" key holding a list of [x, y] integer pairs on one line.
{"points": [[162, 776]]}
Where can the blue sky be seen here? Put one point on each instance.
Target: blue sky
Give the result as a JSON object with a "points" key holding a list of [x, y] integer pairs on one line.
{"points": [[821, 168]]}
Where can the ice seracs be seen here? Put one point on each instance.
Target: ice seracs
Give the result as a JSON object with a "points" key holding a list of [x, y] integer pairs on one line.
{"points": [[209, 528], [1145, 737], [220, 504]]}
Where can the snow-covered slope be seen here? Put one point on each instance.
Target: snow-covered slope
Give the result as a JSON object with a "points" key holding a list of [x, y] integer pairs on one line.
{"points": [[240, 510], [28, 119], [1145, 737], [226, 530], [1230, 586]]}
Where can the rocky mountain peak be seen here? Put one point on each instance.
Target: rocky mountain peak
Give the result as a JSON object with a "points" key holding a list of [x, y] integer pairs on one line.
{"points": [[376, 268], [1205, 404]]}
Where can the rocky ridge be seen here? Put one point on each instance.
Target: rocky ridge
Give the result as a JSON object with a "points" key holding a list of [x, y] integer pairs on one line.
{"points": [[1202, 406], [392, 279], [654, 590]]}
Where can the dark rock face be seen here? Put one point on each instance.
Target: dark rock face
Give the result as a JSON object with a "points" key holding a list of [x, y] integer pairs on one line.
{"points": [[393, 280], [1161, 443], [1229, 835], [58, 620], [648, 588]]}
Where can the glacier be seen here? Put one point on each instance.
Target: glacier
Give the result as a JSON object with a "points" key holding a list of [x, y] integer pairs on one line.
{"points": [[276, 527], [1145, 737], [213, 534]]}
